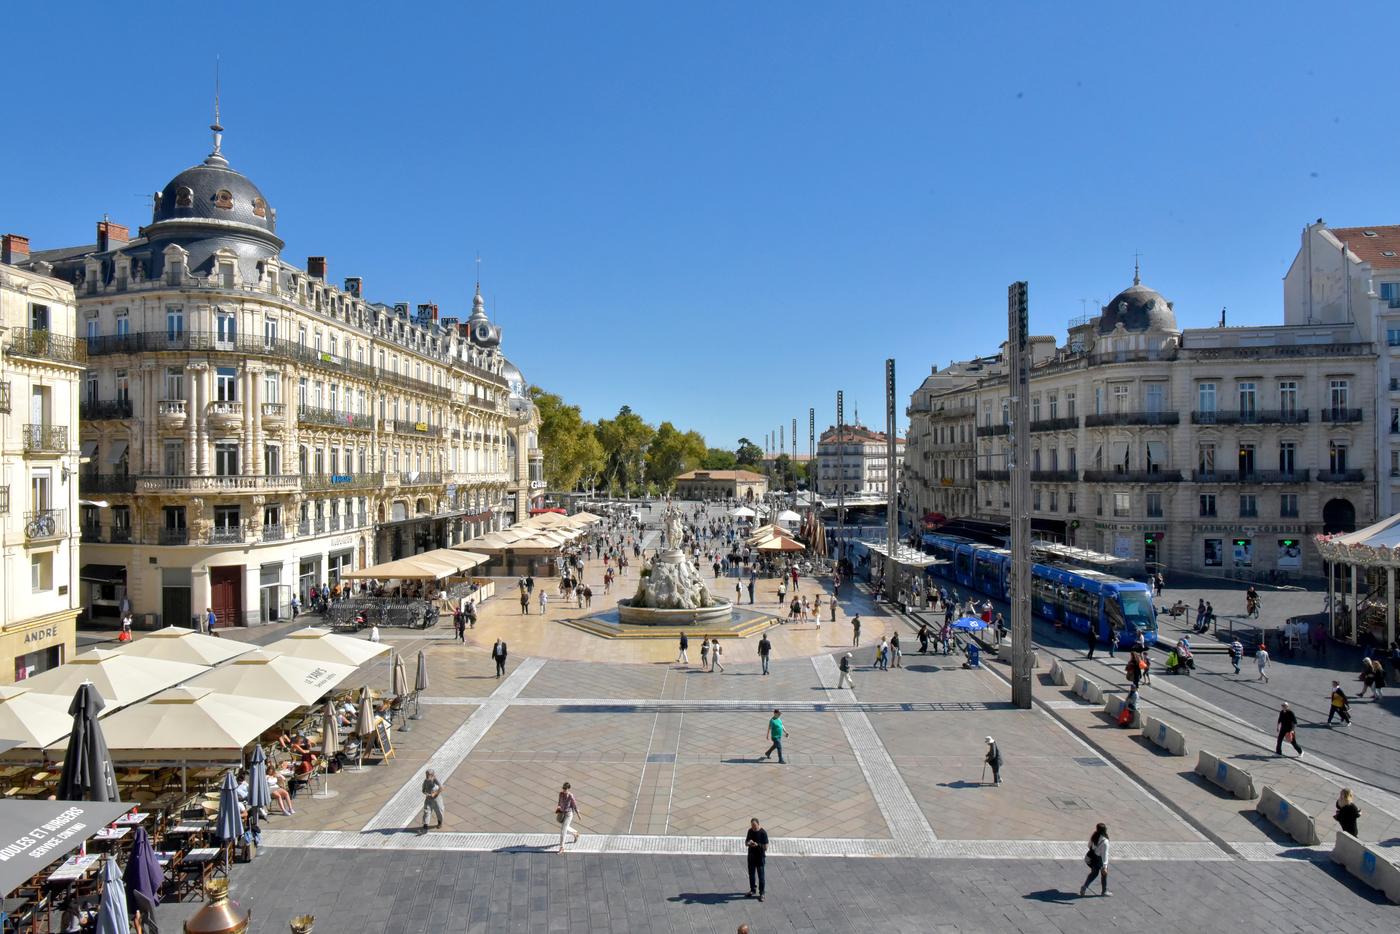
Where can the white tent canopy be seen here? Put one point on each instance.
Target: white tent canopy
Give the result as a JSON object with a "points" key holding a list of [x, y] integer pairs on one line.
{"points": [[190, 723], [120, 678], [35, 719], [743, 512], [178, 644], [326, 646], [274, 676]]}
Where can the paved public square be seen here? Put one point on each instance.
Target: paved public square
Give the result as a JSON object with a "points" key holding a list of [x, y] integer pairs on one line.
{"points": [[882, 818]]}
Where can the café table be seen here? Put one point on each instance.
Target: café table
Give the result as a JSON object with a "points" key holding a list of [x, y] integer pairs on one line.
{"points": [[111, 833], [73, 868], [132, 820]]}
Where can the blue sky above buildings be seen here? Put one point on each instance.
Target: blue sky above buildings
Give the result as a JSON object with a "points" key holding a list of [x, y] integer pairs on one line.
{"points": [[721, 213]]}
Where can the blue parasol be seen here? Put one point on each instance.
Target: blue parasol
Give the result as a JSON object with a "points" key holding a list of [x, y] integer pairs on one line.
{"points": [[970, 624], [143, 874], [229, 826]]}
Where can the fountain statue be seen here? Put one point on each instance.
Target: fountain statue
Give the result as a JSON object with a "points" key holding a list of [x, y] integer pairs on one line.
{"points": [[671, 591]]}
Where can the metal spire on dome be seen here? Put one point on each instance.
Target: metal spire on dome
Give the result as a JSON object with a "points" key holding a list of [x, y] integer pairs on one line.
{"points": [[1137, 279], [216, 157]]}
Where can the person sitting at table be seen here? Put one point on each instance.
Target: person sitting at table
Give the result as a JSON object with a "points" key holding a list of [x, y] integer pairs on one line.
{"points": [[303, 771], [299, 745], [280, 795]]}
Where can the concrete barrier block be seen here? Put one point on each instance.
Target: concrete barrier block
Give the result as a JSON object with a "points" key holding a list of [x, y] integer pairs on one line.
{"points": [[1286, 816], [1232, 778], [1368, 864], [1113, 706], [1164, 735], [1088, 689], [1057, 674]]}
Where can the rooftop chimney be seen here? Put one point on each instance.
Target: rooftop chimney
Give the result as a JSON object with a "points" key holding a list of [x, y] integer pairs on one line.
{"points": [[316, 267], [111, 236], [13, 249], [427, 312], [355, 286]]}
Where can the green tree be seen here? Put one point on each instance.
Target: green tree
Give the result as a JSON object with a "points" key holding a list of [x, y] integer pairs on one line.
{"points": [[671, 453], [571, 451], [783, 472], [719, 459], [748, 454], [624, 441]]}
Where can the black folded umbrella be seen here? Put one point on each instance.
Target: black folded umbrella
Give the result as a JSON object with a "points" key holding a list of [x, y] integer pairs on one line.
{"points": [[87, 765]]}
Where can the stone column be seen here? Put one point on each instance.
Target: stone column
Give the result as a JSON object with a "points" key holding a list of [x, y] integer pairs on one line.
{"points": [[1389, 604], [194, 374], [255, 391], [249, 465]]}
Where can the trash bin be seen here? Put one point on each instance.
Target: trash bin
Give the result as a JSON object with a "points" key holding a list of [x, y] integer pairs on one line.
{"points": [[974, 654]]}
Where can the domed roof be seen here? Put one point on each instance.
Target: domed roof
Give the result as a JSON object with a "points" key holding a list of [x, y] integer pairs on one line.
{"points": [[213, 191], [514, 378], [1138, 308]]}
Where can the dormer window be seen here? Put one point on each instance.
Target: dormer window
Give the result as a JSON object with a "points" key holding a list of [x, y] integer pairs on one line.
{"points": [[223, 198], [184, 197], [259, 207]]}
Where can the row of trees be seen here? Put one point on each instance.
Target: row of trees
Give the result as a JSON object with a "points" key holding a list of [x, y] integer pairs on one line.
{"points": [[624, 454]]}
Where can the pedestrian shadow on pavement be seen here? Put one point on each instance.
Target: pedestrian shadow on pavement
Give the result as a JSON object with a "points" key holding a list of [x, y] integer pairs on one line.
{"points": [[708, 898], [1052, 895], [525, 848], [960, 783]]}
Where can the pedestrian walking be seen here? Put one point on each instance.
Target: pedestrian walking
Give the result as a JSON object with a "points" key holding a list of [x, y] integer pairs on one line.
{"points": [[432, 798], [1097, 860], [1133, 670], [756, 842], [833, 607], [705, 654], [715, 652], [1261, 661], [855, 629], [882, 655], [764, 648], [524, 602], [776, 732], [895, 653], [374, 633], [845, 679], [544, 602], [1092, 638], [1115, 633], [1348, 814], [1236, 654], [1338, 706], [498, 654], [751, 585], [1287, 730], [684, 657], [993, 758], [566, 812]]}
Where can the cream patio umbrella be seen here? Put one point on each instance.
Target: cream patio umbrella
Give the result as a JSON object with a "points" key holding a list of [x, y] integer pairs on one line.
{"points": [[326, 646], [120, 678], [191, 724], [35, 719], [178, 644], [330, 745], [274, 676], [399, 688]]}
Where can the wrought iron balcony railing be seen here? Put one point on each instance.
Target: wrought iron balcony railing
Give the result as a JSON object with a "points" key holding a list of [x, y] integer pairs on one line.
{"points": [[40, 344], [45, 439]]}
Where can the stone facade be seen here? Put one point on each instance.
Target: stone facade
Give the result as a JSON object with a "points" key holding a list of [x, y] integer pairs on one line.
{"points": [[41, 368], [864, 462], [253, 429], [1219, 450], [722, 484]]}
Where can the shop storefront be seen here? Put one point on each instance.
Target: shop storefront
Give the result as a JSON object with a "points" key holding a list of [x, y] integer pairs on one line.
{"points": [[38, 644]]}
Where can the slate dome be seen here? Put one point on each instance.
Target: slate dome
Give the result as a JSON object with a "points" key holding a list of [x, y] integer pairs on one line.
{"points": [[1138, 308]]}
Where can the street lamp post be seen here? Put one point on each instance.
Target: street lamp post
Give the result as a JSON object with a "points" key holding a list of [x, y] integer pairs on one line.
{"points": [[1018, 328], [891, 490]]}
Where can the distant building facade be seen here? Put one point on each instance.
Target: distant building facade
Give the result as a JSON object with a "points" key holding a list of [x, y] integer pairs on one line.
{"points": [[1219, 450], [855, 464], [721, 484], [41, 369]]}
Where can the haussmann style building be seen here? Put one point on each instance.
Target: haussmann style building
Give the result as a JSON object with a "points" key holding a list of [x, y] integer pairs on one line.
{"points": [[1215, 449], [250, 429]]}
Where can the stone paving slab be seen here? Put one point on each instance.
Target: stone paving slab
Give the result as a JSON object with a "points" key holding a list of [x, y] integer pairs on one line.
{"points": [[432, 892]]}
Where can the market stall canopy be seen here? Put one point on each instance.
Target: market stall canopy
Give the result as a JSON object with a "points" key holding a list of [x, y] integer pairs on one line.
{"points": [[36, 834], [787, 515], [120, 678], [585, 518], [275, 676], [34, 719], [190, 723], [765, 532], [430, 565], [779, 543], [324, 645], [178, 644], [743, 512]]}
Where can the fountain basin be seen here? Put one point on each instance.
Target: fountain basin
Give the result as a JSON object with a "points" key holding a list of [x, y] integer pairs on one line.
{"points": [[720, 614]]}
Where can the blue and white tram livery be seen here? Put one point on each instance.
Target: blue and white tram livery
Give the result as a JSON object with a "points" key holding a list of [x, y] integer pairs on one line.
{"points": [[1074, 597]]}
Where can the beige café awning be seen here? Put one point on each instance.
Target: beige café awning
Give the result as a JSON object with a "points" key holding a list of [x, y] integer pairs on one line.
{"points": [[274, 676], [178, 644], [35, 719], [190, 723], [120, 678], [430, 565], [326, 646]]}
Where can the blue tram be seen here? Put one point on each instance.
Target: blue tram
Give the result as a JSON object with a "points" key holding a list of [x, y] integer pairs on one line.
{"points": [[1073, 597]]}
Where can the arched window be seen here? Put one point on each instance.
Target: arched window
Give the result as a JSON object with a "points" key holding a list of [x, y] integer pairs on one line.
{"points": [[184, 197], [223, 198]]}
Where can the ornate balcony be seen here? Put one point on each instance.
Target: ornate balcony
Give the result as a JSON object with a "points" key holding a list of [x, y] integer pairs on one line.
{"points": [[226, 535], [274, 533], [168, 536], [1341, 476], [38, 344], [224, 414], [1131, 418], [95, 409], [274, 415], [1250, 476], [45, 439], [313, 483], [1341, 415], [419, 478], [315, 415], [237, 483], [1054, 476], [1132, 476], [419, 429], [45, 525], [106, 483], [1056, 424], [5, 397], [172, 413], [1250, 417]]}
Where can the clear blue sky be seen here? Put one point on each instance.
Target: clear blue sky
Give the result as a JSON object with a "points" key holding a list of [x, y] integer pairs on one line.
{"points": [[720, 213]]}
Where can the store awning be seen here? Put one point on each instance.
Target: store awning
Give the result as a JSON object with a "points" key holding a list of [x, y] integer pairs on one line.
{"points": [[103, 573], [430, 565], [89, 448], [36, 834], [118, 451]]}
